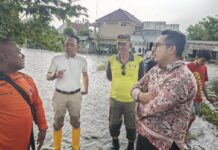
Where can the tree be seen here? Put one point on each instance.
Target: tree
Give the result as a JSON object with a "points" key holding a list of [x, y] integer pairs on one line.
{"points": [[26, 20], [197, 32], [10, 23], [84, 33], [68, 31], [207, 29], [210, 24]]}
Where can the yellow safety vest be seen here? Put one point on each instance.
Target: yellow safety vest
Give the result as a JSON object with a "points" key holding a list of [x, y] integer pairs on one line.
{"points": [[122, 84]]}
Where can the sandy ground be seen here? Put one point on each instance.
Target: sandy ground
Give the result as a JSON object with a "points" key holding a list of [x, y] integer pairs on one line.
{"points": [[95, 106]]}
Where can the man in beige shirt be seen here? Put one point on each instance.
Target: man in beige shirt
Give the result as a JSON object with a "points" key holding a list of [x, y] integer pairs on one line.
{"points": [[67, 69]]}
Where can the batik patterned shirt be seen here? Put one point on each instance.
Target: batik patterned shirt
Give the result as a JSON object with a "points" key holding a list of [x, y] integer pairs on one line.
{"points": [[165, 118]]}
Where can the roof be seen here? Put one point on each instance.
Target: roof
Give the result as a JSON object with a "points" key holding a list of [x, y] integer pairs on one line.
{"points": [[203, 45], [79, 27], [203, 42], [118, 15]]}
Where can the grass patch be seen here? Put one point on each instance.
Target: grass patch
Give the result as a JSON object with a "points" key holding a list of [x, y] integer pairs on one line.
{"points": [[101, 67], [214, 87], [208, 114]]}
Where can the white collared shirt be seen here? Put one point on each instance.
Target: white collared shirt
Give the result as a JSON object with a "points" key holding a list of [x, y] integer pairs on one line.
{"points": [[74, 67]]}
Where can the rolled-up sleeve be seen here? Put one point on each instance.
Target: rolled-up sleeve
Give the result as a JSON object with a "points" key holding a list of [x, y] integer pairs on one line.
{"points": [[53, 66], [40, 119]]}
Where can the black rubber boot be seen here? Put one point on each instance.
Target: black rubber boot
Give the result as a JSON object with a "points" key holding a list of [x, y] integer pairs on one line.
{"points": [[130, 146], [115, 144]]}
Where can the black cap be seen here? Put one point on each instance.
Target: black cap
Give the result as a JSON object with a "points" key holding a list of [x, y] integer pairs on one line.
{"points": [[123, 38]]}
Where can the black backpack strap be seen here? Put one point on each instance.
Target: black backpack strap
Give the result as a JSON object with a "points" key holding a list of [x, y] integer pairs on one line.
{"points": [[5, 77]]}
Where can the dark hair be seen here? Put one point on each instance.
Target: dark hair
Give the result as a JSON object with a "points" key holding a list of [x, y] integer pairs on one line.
{"points": [[75, 37], [5, 40], [203, 54], [175, 38]]}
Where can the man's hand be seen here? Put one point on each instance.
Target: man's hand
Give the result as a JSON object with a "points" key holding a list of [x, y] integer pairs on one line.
{"points": [[59, 74], [84, 92], [54, 75], [41, 138], [145, 97]]}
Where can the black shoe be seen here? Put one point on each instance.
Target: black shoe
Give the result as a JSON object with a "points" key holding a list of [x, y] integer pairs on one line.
{"points": [[115, 144], [130, 146]]}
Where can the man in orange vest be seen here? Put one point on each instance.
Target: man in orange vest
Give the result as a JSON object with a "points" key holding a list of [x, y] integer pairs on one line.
{"points": [[16, 120]]}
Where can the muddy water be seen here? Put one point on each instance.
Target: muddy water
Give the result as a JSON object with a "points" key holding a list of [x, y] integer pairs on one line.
{"points": [[95, 106]]}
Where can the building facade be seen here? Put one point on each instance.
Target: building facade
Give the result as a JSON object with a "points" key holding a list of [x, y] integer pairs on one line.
{"points": [[150, 31], [108, 27]]}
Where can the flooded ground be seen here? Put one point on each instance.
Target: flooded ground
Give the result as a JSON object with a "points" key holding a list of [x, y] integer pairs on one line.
{"points": [[95, 106]]}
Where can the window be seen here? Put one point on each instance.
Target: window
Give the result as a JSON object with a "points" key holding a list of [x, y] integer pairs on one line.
{"points": [[123, 24]]}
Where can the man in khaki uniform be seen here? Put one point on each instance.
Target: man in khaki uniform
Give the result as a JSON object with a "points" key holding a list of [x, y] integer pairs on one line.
{"points": [[123, 70], [67, 69]]}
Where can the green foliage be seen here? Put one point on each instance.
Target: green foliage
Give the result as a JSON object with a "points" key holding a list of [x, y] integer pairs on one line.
{"points": [[10, 23], [208, 114], [197, 32], [46, 38], [28, 21], [207, 29], [68, 31], [214, 87], [101, 67], [84, 33]]}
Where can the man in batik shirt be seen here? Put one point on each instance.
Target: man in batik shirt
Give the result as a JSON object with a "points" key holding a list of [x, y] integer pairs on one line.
{"points": [[164, 97]]}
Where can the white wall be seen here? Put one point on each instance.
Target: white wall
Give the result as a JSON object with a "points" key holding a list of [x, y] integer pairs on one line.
{"points": [[159, 26]]}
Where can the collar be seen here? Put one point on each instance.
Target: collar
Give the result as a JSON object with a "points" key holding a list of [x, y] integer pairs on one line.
{"points": [[172, 66], [75, 57], [131, 57]]}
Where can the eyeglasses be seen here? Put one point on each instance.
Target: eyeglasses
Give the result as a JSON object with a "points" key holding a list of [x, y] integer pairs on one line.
{"points": [[123, 70], [155, 45]]}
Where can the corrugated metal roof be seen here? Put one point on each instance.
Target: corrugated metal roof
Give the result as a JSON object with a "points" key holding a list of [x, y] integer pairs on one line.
{"points": [[203, 45], [203, 42]]}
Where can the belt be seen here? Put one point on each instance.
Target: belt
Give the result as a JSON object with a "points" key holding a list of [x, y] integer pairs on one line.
{"points": [[68, 93]]}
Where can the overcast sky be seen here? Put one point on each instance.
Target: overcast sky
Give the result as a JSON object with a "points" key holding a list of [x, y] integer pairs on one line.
{"points": [[183, 12]]}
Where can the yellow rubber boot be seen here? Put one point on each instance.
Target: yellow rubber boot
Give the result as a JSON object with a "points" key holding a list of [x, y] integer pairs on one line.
{"points": [[57, 135], [76, 139]]}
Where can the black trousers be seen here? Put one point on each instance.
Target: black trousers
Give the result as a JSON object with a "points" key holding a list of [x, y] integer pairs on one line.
{"points": [[144, 144]]}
